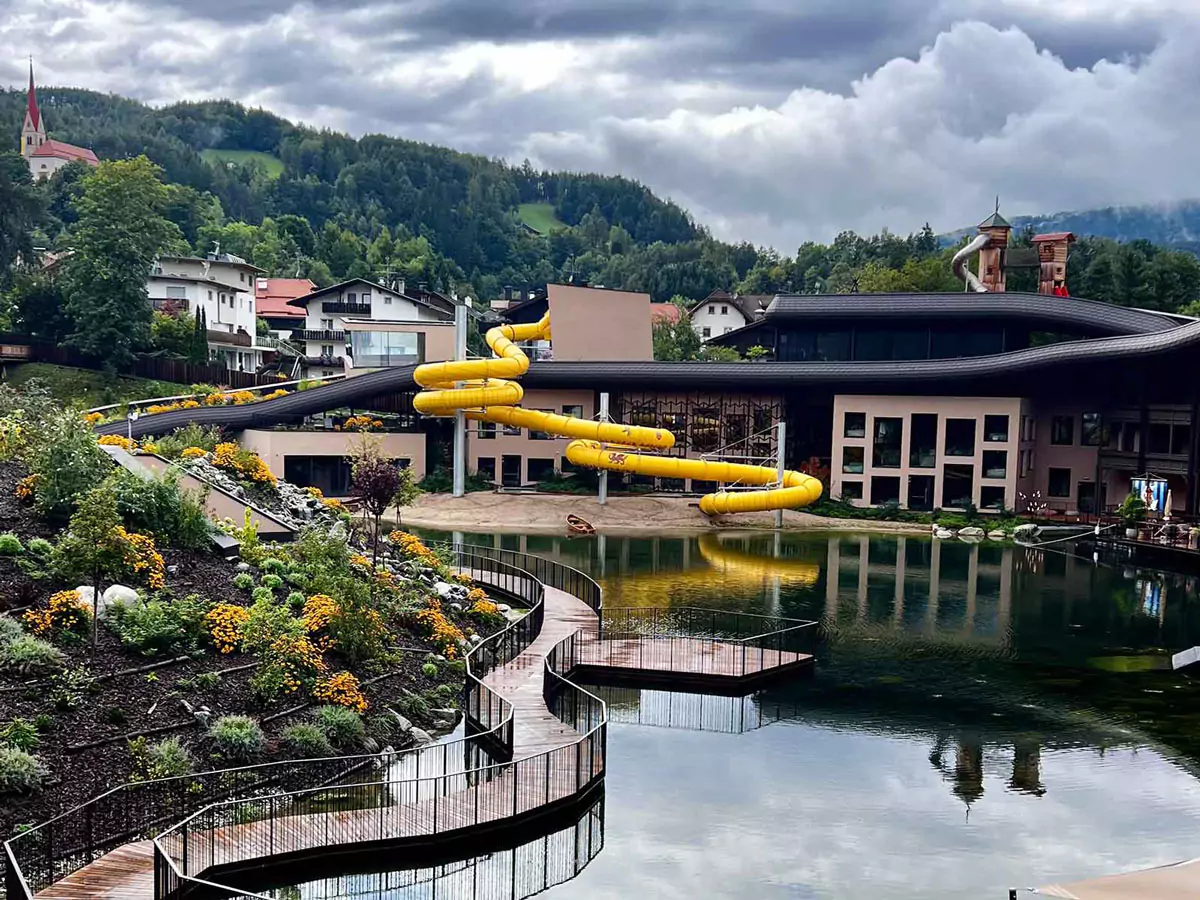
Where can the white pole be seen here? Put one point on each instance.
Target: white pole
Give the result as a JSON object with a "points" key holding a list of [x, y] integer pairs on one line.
{"points": [[780, 441], [460, 419], [603, 495]]}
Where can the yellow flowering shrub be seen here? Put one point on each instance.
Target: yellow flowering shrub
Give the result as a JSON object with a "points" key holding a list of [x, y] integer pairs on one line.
{"points": [[290, 663], [276, 394], [115, 440], [319, 611], [341, 689], [93, 418], [440, 629], [149, 447], [65, 611], [410, 545], [462, 578], [26, 488], [242, 463], [190, 404], [156, 408], [361, 423], [193, 453], [142, 556], [239, 398], [215, 399], [225, 623]]}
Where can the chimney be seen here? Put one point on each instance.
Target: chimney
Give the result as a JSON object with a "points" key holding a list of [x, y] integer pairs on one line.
{"points": [[508, 293], [260, 287], [1053, 250]]}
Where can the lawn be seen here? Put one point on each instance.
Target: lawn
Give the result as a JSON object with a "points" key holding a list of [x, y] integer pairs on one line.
{"points": [[540, 217], [90, 388], [272, 165]]}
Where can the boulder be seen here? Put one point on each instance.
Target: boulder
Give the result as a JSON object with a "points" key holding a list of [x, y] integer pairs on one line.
{"points": [[1027, 532], [242, 567], [420, 736], [504, 608], [943, 533], [997, 535], [971, 532], [402, 723], [115, 593]]}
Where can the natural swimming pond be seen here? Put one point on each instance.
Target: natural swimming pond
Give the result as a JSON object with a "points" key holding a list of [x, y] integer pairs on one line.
{"points": [[981, 717]]}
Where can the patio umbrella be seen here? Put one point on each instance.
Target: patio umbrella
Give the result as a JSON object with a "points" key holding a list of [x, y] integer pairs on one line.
{"points": [[1167, 512]]}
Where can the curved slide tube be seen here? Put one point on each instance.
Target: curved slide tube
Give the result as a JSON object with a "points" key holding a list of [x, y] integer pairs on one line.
{"points": [[962, 270], [483, 390]]}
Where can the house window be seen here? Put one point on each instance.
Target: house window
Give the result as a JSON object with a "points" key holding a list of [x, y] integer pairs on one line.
{"points": [[724, 310], [852, 490], [852, 460], [487, 432], [995, 429], [1181, 440], [327, 349], [705, 332], [387, 301], [712, 310], [175, 292], [512, 430], [922, 439], [995, 463], [327, 324], [1159, 439], [1091, 433], [486, 466], [889, 433], [958, 486], [960, 437], [366, 297], [242, 277], [991, 497], [210, 296], [1062, 431], [885, 489], [573, 410], [855, 425], [1059, 484], [352, 297]]}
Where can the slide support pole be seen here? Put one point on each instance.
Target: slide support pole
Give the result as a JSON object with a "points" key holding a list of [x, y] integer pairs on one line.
{"points": [[460, 418], [780, 443], [602, 497]]}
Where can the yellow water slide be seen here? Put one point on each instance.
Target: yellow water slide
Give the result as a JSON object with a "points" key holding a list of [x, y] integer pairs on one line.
{"points": [[486, 391]]}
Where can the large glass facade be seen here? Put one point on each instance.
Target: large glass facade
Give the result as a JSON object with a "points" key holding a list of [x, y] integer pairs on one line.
{"points": [[380, 349]]}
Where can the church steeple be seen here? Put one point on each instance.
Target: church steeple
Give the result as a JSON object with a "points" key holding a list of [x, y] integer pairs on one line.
{"points": [[33, 132]]}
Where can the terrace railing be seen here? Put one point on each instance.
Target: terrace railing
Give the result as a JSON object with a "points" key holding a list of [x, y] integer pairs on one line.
{"points": [[548, 571]]}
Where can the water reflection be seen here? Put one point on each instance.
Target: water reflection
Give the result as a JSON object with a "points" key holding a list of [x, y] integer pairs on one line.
{"points": [[510, 874]]}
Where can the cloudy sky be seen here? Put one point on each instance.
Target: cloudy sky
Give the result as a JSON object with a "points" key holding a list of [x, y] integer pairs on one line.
{"points": [[774, 121]]}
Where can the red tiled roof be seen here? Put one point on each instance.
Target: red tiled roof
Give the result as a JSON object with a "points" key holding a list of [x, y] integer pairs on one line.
{"points": [[1054, 236], [62, 150], [272, 300], [668, 312]]}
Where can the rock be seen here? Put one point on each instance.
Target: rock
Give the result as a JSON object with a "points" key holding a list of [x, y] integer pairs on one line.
{"points": [[504, 608], [86, 593], [943, 533], [971, 532], [420, 736], [450, 716], [172, 570], [997, 535], [1027, 532], [457, 607], [242, 567], [402, 723], [119, 593]]}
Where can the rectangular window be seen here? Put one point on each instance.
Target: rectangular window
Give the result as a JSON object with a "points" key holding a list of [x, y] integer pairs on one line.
{"points": [[995, 429], [1129, 437], [995, 463], [327, 350], [573, 410], [851, 490], [991, 497], [1159, 440], [889, 433], [1085, 496], [712, 310], [327, 324], [960, 437], [852, 460], [1181, 440], [512, 430], [380, 349], [486, 466], [352, 297], [1091, 432], [833, 346], [176, 292], [487, 432], [920, 492], [1059, 483], [958, 486], [365, 298], [705, 332], [885, 489], [855, 425], [539, 468], [724, 310], [1062, 431], [922, 451], [387, 301], [210, 296], [540, 435]]}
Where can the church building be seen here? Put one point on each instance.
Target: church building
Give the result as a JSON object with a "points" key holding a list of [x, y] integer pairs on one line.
{"points": [[46, 156]]}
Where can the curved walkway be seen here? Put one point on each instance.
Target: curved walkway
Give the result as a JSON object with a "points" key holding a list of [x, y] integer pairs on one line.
{"points": [[535, 743]]}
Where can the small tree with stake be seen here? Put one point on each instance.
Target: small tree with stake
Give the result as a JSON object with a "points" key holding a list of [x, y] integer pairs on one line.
{"points": [[92, 545], [374, 482]]}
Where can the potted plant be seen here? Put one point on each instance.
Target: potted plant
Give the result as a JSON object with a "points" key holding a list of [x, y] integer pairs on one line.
{"points": [[1132, 513]]}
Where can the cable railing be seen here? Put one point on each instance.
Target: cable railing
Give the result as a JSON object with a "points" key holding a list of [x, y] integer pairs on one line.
{"points": [[226, 836], [48, 853]]}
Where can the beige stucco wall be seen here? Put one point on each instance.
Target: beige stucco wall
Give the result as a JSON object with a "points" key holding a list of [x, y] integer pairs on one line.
{"points": [[275, 446], [973, 408], [479, 447], [593, 324], [1079, 459]]}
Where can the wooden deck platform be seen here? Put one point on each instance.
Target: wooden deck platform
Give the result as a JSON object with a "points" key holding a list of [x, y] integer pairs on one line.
{"points": [[457, 802]]}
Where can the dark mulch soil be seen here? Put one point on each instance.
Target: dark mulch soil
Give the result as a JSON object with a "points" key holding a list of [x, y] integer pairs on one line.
{"points": [[115, 707]]}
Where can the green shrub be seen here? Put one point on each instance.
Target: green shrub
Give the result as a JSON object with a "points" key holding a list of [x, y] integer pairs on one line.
{"points": [[159, 627], [382, 727], [159, 507], [166, 759], [20, 734], [67, 461], [28, 655], [10, 630], [273, 566], [343, 727], [237, 738], [307, 742], [271, 582], [10, 545], [191, 436], [115, 716], [429, 670], [208, 681], [68, 687], [262, 595], [40, 547], [296, 600], [243, 581], [20, 772]]}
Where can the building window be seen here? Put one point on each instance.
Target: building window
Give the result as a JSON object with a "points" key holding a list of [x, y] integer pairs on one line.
{"points": [[995, 463], [712, 310], [885, 489], [573, 410], [960, 437], [920, 492], [327, 324], [1181, 440], [379, 349], [724, 310], [852, 490], [387, 301], [540, 435], [889, 433], [995, 429], [486, 467], [487, 432], [958, 486], [1129, 437], [327, 349], [210, 296], [1091, 432], [365, 297], [991, 497], [855, 425], [705, 332], [352, 297], [539, 468], [852, 460], [1159, 438], [176, 292], [1062, 430], [511, 430], [922, 439], [1059, 483]]}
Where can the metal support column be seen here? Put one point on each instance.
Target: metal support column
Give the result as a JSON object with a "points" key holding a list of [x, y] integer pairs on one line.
{"points": [[602, 496], [781, 442], [460, 418]]}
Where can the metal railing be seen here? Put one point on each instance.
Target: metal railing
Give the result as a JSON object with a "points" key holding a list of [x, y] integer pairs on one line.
{"points": [[463, 791], [55, 849], [548, 571], [318, 334]]}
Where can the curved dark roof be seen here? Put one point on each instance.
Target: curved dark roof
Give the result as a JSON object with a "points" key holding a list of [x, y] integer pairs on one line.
{"points": [[1089, 315], [688, 375]]}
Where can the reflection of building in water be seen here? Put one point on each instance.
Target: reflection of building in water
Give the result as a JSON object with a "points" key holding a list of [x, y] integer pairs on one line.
{"points": [[966, 777], [1027, 769], [504, 875], [692, 712]]}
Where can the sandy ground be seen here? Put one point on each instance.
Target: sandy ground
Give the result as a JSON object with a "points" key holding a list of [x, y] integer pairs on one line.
{"points": [[547, 514]]}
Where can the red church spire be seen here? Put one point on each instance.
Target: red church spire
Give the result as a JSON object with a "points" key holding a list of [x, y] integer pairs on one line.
{"points": [[35, 115]]}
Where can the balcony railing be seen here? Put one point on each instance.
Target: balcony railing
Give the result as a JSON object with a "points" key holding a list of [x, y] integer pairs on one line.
{"points": [[349, 309], [304, 334], [237, 339], [327, 362]]}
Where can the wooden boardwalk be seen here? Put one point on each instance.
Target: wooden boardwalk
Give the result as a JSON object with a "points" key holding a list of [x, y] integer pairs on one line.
{"points": [[548, 766]]}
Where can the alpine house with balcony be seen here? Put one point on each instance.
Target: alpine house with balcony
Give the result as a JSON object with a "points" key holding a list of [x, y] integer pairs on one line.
{"points": [[365, 325]]}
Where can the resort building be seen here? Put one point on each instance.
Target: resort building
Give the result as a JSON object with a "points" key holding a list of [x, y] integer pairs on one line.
{"points": [[44, 155]]}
